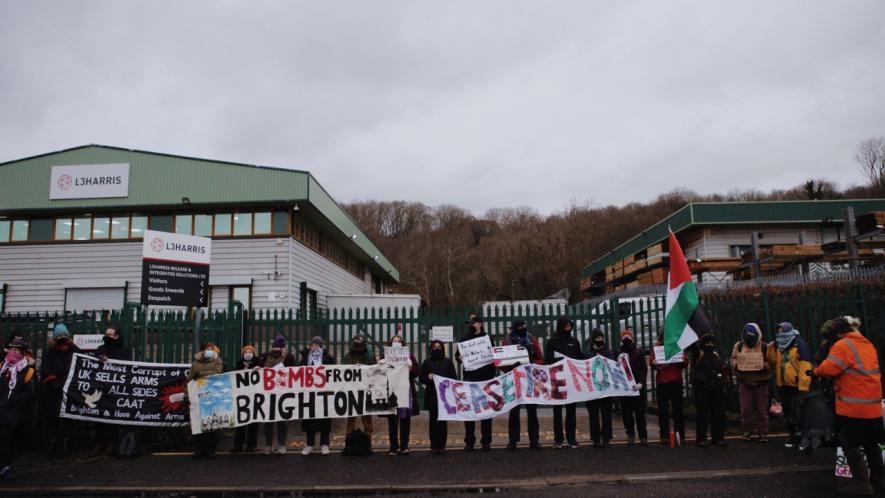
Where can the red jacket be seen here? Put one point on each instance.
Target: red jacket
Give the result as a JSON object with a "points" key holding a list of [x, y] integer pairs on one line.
{"points": [[670, 373]]}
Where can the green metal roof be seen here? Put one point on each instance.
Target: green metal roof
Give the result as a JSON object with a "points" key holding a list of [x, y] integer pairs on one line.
{"points": [[734, 213], [162, 180]]}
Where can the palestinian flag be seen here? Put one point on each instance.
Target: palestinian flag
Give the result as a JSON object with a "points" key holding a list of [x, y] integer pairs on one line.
{"points": [[684, 320]]}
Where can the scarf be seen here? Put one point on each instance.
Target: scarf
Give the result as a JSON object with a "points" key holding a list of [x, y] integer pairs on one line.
{"points": [[13, 370], [784, 339], [524, 341], [315, 357]]}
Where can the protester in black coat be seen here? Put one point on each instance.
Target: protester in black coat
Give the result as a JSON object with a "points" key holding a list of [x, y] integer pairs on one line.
{"points": [[486, 372], [54, 368], [707, 381], [563, 345], [247, 435], [315, 354], [113, 348], [436, 364], [278, 355], [600, 409], [633, 407], [17, 387]]}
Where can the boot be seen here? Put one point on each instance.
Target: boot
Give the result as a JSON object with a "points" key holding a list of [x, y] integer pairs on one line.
{"points": [[859, 485], [877, 471]]}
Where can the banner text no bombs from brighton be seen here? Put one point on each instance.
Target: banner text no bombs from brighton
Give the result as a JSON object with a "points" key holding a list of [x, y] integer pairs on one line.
{"points": [[566, 381], [295, 393]]}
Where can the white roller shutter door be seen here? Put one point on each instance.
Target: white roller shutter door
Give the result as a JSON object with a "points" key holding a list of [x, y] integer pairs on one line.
{"points": [[100, 298]]}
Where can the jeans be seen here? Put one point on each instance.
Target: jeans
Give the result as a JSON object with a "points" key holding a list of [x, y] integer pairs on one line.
{"points": [[570, 423], [754, 405], [399, 439], [710, 404], [670, 395], [485, 429], [600, 420], [312, 438], [633, 414], [282, 433], [513, 429]]}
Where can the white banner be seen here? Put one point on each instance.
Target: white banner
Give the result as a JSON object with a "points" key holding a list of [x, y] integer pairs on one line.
{"points": [[476, 353], [397, 355], [566, 381], [661, 357], [442, 333], [89, 181], [239, 398]]}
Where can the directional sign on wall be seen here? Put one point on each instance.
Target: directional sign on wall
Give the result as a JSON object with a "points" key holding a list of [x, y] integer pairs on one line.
{"points": [[175, 269]]}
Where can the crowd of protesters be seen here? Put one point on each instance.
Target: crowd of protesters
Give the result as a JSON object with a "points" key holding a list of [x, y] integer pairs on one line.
{"points": [[845, 370]]}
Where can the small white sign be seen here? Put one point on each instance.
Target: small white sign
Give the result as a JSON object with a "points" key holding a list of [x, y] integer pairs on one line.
{"points": [[660, 356], [476, 353], [88, 342], [176, 247], [89, 181], [396, 355], [509, 355], [442, 333]]}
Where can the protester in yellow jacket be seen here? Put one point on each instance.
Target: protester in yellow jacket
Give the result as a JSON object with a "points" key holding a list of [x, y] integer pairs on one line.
{"points": [[853, 363], [792, 373]]}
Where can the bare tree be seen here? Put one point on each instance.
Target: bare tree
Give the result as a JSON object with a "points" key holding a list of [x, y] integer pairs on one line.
{"points": [[871, 158]]}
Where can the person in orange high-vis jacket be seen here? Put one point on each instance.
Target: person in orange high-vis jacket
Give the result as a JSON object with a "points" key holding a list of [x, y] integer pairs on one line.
{"points": [[853, 363]]}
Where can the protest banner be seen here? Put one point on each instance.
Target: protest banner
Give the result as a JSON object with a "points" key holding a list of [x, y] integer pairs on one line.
{"points": [[397, 355], [661, 357], [125, 392], [842, 468], [442, 333], [566, 381], [750, 361], [504, 356], [243, 397], [476, 353]]}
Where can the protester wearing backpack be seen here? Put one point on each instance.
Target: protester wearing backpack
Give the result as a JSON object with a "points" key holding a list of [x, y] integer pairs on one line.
{"points": [[17, 388], [435, 364], [753, 385], [792, 372]]}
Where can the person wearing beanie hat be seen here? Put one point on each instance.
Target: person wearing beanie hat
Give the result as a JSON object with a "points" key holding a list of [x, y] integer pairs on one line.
{"points": [[633, 407], [853, 364], [709, 397], [436, 364], [278, 357], [520, 336], [600, 410], [54, 366], [563, 345], [112, 348], [792, 374], [314, 355], [668, 385], [17, 388], [206, 362], [399, 425], [246, 435], [753, 385], [359, 354], [481, 374]]}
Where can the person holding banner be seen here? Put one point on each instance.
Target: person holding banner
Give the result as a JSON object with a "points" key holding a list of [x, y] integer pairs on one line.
{"points": [[668, 384], [436, 364], [709, 396], [600, 410], [359, 354], [633, 407], [54, 367], [112, 348], [246, 435], [206, 362], [519, 335], [564, 345], [400, 425], [313, 355], [485, 372], [17, 388], [278, 357], [752, 359]]}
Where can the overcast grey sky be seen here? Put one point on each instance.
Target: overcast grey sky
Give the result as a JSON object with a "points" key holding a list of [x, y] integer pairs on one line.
{"points": [[478, 104]]}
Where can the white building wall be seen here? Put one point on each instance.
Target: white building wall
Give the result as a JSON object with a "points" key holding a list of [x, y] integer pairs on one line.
{"points": [[321, 275]]}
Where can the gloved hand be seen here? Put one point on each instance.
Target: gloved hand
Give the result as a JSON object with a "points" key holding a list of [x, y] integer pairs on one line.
{"points": [[637, 387], [409, 363]]}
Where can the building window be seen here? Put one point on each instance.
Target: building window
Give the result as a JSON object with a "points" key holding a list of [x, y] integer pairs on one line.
{"points": [[161, 222], [281, 222], [184, 223], [82, 227], [101, 228], [4, 230], [262, 223], [203, 225], [139, 225], [222, 224], [120, 226], [41, 230], [63, 228], [20, 230], [243, 224]]}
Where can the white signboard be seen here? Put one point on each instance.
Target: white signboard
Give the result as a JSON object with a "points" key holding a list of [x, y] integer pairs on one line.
{"points": [[396, 355], [476, 353], [444, 334], [89, 181], [661, 357], [509, 355], [177, 248], [88, 342]]}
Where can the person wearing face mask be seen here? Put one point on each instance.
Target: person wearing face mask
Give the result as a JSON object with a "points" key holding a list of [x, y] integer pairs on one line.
{"points": [[563, 345], [435, 364], [54, 366], [359, 354], [792, 373], [315, 354], [112, 348], [753, 384], [206, 362], [668, 384], [400, 425], [600, 410], [246, 434], [486, 372], [519, 335], [17, 387], [278, 357], [707, 381], [633, 407]]}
